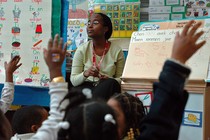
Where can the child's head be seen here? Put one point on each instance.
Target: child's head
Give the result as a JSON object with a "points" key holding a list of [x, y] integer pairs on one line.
{"points": [[88, 119], [28, 119], [5, 127], [129, 112]]}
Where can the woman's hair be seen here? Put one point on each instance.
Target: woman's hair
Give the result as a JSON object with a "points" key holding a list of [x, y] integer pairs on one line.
{"points": [[108, 23], [133, 110], [86, 118]]}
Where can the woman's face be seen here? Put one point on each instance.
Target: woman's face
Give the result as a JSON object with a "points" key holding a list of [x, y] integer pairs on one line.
{"points": [[119, 116], [95, 27]]}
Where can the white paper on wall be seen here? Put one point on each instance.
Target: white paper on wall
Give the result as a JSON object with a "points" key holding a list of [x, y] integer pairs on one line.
{"points": [[25, 28]]}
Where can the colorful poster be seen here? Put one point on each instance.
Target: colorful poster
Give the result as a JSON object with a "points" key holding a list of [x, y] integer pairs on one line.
{"points": [[125, 14], [76, 31], [78, 9], [145, 97], [25, 28], [76, 35], [197, 8], [192, 118]]}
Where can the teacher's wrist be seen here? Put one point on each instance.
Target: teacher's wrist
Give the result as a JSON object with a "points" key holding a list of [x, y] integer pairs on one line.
{"points": [[85, 74]]}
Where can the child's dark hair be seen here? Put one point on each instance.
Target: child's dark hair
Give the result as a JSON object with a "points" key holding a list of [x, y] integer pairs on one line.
{"points": [[86, 119], [133, 110], [5, 128], [107, 22], [25, 117]]}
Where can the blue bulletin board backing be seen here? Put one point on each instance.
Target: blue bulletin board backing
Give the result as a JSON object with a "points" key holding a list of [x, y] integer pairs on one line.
{"points": [[30, 96], [25, 95]]}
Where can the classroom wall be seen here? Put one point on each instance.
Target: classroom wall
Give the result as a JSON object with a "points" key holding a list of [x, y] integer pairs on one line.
{"points": [[123, 42]]}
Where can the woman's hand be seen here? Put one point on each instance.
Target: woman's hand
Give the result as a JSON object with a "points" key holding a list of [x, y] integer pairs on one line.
{"points": [[185, 43], [102, 76], [92, 71]]}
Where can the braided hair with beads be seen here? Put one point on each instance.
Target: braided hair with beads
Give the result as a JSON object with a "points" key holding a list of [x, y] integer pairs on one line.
{"points": [[133, 110], [88, 119]]}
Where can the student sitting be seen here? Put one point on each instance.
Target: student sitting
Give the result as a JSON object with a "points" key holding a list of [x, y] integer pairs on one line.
{"points": [[7, 94], [27, 120], [129, 112]]}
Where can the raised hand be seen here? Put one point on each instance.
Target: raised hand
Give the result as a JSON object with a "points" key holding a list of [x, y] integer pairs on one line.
{"points": [[54, 56], [185, 43], [11, 67]]}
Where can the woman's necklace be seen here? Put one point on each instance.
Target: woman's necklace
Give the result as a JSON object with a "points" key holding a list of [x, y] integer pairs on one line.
{"points": [[98, 65]]}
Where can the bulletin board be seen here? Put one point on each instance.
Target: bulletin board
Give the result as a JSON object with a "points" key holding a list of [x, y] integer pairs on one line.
{"points": [[25, 31], [125, 15]]}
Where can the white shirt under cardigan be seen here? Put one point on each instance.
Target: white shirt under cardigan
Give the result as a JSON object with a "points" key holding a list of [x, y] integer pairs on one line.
{"points": [[49, 128], [7, 96]]}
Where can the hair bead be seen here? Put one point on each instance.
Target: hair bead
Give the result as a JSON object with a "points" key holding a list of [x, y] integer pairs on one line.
{"points": [[109, 118], [87, 92], [65, 125]]}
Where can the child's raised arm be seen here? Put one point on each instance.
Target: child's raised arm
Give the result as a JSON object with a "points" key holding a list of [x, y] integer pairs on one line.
{"points": [[11, 67], [7, 94], [165, 116], [54, 56], [185, 43]]}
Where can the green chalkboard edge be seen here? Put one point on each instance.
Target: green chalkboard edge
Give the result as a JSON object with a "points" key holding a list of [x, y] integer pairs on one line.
{"points": [[56, 17]]}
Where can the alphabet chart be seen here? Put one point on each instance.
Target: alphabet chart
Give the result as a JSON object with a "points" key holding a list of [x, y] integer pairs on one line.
{"points": [[25, 28]]}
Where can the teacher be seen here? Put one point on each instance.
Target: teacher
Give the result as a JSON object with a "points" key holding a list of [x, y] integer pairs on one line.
{"points": [[98, 64]]}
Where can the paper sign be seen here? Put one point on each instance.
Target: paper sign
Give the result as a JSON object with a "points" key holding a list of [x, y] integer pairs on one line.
{"points": [[192, 118], [25, 28], [145, 97], [148, 51]]}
